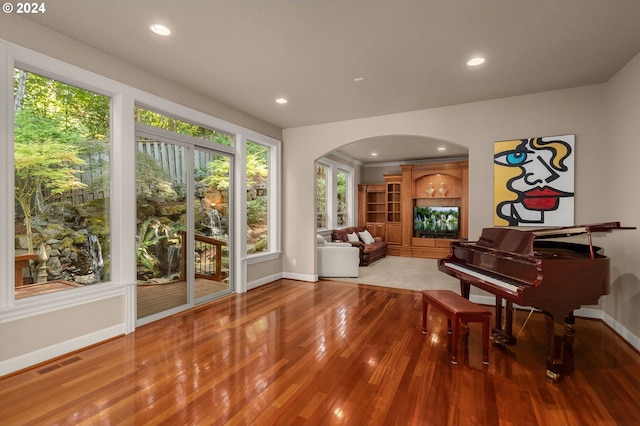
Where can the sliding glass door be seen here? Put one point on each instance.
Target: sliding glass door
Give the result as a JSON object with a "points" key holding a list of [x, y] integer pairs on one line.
{"points": [[211, 200], [183, 233]]}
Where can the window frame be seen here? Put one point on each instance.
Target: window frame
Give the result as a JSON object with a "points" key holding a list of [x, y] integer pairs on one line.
{"points": [[326, 193], [333, 168], [16, 57], [122, 152], [274, 226]]}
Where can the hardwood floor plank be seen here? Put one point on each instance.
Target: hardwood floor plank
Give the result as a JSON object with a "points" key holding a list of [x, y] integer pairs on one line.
{"points": [[292, 353]]}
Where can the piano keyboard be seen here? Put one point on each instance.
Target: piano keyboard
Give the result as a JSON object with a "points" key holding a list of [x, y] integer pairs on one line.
{"points": [[503, 283]]}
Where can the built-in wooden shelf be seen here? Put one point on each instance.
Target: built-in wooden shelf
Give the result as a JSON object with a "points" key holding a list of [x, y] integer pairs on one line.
{"points": [[387, 208]]}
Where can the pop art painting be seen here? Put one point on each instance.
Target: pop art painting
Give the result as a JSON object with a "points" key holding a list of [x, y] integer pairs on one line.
{"points": [[534, 181]]}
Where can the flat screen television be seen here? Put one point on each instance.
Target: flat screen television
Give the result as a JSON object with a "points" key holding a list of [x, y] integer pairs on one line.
{"points": [[436, 219]]}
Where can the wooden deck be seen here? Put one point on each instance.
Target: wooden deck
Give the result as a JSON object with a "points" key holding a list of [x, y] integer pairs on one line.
{"points": [[44, 288], [153, 298]]}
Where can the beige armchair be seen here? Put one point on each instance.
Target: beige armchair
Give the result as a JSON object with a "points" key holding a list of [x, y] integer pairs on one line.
{"points": [[337, 259]]}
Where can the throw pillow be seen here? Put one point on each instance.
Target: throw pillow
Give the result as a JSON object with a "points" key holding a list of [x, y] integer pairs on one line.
{"points": [[320, 240], [366, 237], [353, 237]]}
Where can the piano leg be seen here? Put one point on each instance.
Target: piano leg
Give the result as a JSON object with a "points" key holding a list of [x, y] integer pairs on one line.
{"points": [[508, 322], [498, 326], [465, 289], [554, 343], [504, 333], [560, 346]]}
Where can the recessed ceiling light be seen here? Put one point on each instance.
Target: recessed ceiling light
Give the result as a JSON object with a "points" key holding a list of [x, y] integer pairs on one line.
{"points": [[374, 154], [358, 79], [281, 101], [474, 62], [160, 29], [442, 148]]}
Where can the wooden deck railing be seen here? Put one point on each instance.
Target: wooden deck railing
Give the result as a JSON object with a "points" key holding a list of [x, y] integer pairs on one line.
{"points": [[205, 246]]}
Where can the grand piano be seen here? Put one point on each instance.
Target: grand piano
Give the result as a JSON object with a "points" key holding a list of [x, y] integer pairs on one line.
{"points": [[533, 268]]}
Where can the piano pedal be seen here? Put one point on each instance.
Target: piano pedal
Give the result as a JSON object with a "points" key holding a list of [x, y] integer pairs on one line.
{"points": [[553, 377], [501, 340]]}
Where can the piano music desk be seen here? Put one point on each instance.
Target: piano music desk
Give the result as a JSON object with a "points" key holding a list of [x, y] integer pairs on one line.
{"points": [[458, 310]]}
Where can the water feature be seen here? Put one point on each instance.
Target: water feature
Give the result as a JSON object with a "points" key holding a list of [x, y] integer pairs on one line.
{"points": [[214, 222], [95, 251], [173, 259]]}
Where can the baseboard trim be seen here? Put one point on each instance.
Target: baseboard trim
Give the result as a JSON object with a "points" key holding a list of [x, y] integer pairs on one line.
{"points": [[264, 280], [300, 277], [624, 332], [59, 349]]}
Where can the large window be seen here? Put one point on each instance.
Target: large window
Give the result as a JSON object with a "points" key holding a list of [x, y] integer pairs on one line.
{"points": [[64, 130], [258, 161], [334, 195], [342, 202], [184, 207], [182, 127], [321, 195], [260, 158], [62, 185]]}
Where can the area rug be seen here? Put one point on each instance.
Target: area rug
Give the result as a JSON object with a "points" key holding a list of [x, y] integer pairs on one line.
{"points": [[409, 273]]}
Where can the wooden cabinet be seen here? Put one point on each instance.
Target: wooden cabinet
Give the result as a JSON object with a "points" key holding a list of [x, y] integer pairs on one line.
{"points": [[380, 209], [394, 233], [430, 248], [388, 209], [376, 229], [371, 204], [372, 208], [394, 199], [394, 209]]}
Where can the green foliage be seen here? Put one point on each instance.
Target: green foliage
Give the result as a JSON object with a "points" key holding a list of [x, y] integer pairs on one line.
{"points": [[341, 189], [150, 233], [259, 151], [162, 121], [217, 175], [321, 188], [257, 169], [256, 211], [151, 179], [261, 245], [46, 158], [56, 126], [77, 110]]}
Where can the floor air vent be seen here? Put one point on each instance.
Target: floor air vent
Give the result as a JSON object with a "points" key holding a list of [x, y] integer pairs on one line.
{"points": [[60, 364]]}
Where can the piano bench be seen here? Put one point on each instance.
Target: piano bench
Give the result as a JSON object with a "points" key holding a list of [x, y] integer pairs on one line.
{"points": [[458, 310]]}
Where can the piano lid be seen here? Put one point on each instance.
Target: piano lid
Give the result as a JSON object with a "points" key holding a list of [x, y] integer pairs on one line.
{"points": [[521, 242], [508, 240], [577, 230]]}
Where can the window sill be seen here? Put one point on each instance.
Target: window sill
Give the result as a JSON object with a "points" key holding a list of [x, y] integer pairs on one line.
{"points": [[263, 257]]}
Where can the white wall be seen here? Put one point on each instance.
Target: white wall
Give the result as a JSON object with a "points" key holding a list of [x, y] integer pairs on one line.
{"points": [[605, 120], [621, 195], [476, 126]]}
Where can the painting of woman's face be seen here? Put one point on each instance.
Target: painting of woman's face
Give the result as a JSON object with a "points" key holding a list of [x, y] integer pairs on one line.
{"points": [[534, 182]]}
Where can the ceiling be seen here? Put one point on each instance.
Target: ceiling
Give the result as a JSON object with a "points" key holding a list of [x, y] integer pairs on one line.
{"points": [[412, 54], [401, 148]]}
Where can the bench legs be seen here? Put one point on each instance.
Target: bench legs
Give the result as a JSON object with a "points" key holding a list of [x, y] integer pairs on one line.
{"points": [[453, 324]]}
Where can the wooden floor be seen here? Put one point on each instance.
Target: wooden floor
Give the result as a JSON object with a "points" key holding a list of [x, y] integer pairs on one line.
{"points": [[322, 354]]}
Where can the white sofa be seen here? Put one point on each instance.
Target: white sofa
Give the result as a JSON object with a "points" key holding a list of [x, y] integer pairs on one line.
{"points": [[337, 259]]}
